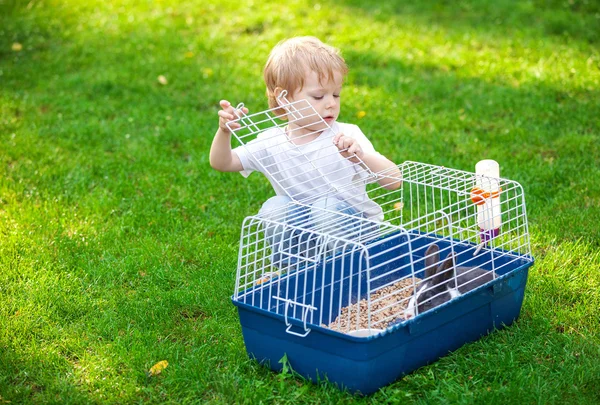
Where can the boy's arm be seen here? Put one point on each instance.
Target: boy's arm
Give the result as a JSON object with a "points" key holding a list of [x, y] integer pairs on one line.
{"points": [[222, 158], [378, 163], [392, 179]]}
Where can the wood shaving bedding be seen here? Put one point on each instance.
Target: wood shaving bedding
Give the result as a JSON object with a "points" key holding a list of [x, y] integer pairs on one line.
{"points": [[396, 296]]}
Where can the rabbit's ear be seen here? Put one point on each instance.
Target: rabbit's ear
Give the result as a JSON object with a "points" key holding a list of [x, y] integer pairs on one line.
{"points": [[446, 270], [432, 258]]}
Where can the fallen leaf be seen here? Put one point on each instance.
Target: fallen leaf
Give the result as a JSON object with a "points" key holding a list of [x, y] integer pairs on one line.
{"points": [[162, 80], [361, 114], [189, 54], [17, 47], [398, 206], [158, 368]]}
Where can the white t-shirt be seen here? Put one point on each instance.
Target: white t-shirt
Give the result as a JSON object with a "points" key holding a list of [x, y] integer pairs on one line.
{"points": [[304, 172]]}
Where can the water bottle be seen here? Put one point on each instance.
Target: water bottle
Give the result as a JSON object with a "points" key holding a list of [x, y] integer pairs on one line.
{"points": [[486, 195]]}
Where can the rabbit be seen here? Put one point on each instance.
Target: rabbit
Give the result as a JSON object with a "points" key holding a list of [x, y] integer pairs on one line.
{"points": [[439, 285]]}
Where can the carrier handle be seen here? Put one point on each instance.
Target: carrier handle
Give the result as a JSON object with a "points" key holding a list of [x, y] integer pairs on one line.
{"points": [[305, 310]]}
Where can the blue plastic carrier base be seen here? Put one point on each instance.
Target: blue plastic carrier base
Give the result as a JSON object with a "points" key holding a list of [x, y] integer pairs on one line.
{"points": [[365, 364]]}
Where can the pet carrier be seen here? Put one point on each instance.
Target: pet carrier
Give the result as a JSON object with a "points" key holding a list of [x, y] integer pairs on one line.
{"points": [[359, 284]]}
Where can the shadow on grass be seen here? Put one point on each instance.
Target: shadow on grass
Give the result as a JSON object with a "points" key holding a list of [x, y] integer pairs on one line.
{"points": [[555, 20], [22, 380]]}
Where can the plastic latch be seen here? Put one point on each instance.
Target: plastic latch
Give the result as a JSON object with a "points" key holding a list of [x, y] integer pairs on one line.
{"points": [[305, 309]]}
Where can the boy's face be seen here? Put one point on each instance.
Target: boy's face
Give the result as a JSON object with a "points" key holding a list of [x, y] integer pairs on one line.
{"points": [[323, 96]]}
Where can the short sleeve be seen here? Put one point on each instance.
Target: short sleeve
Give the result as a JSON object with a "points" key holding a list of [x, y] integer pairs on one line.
{"points": [[256, 151], [248, 161]]}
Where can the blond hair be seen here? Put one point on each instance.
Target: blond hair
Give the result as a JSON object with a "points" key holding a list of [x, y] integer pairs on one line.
{"points": [[292, 59]]}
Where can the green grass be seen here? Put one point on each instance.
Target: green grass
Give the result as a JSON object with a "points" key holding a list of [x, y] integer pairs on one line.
{"points": [[118, 242]]}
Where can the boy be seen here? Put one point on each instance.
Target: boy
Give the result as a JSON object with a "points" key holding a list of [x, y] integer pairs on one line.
{"points": [[309, 157]]}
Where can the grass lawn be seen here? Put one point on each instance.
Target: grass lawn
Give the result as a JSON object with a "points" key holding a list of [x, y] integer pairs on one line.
{"points": [[118, 242]]}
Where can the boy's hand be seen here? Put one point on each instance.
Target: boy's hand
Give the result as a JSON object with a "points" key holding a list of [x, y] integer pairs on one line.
{"points": [[353, 152], [228, 114]]}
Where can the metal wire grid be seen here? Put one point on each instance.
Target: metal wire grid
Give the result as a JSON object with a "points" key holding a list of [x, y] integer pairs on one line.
{"points": [[366, 256]]}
